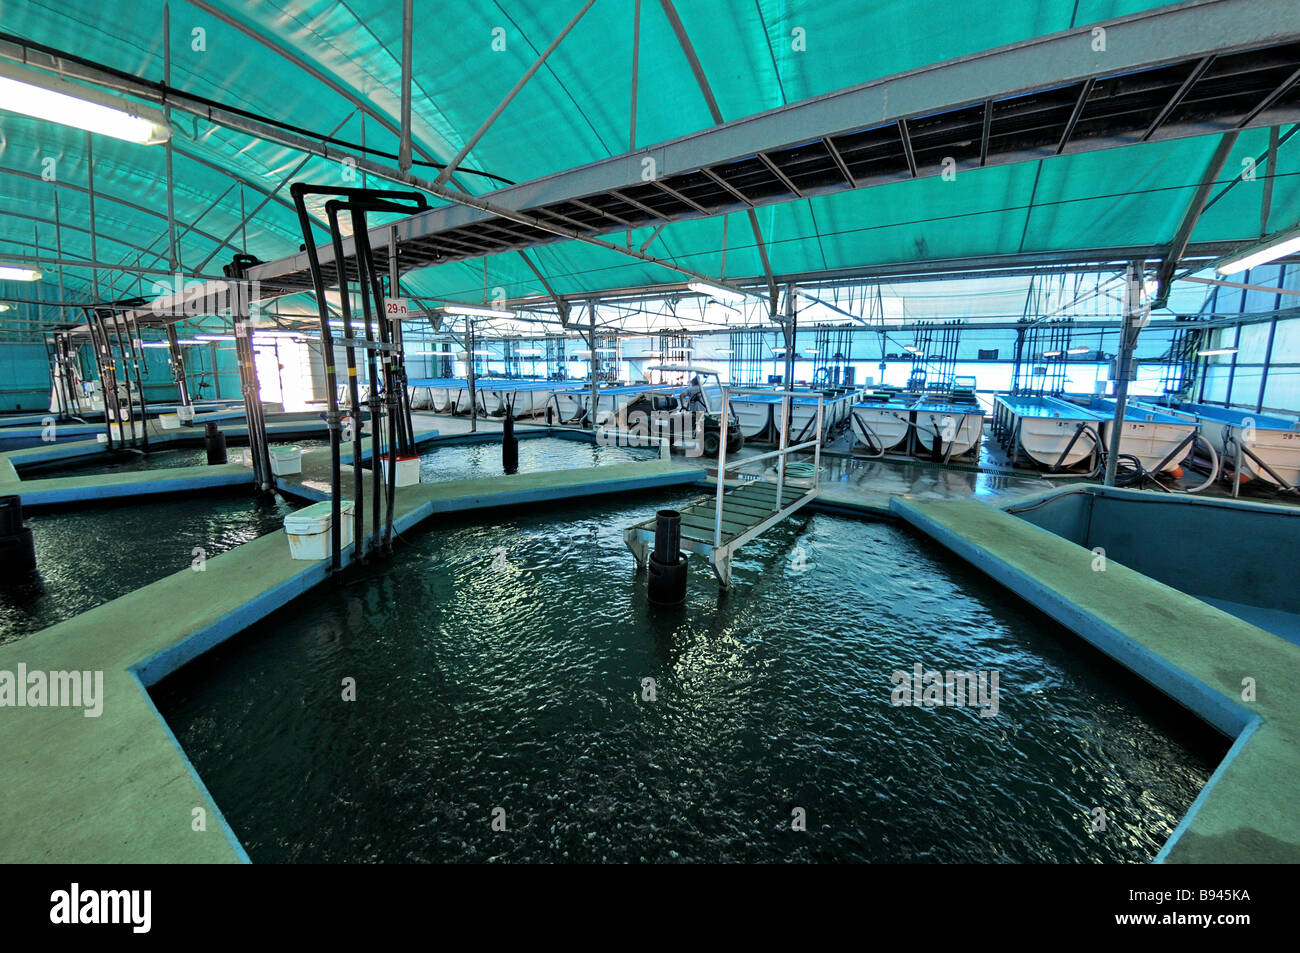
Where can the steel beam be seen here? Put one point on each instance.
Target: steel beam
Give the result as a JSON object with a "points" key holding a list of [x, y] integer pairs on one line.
{"points": [[454, 164]]}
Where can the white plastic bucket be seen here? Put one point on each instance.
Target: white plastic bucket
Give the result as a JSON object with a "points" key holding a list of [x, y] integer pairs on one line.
{"points": [[125, 431], [286, 460], [408, 470], [309, 529]]}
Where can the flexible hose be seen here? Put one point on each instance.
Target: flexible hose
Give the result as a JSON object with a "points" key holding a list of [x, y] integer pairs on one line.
{"points": [[873, 436]]}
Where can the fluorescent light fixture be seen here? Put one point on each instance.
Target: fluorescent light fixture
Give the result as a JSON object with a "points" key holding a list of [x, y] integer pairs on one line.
{"points": [[1079, 350], [725, 350], [426, 353], [911, 350], [153, 344], [778, 350], [721, 292], [185, 341], [1052, 353], [476, 310], [478, 353], [1216, 351], [1271, 250], [54, 99], [1262, 252], [19, 273], [4, 308], [812, 350], [214, 337], [530, 352]]}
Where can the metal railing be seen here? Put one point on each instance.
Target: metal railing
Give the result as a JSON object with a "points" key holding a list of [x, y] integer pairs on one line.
{"points": [[780, 453]]}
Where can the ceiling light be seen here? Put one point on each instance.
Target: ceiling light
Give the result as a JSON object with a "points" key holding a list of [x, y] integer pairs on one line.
{"points": [[721, 292], [19, 273], [1215, 351], [1079, 350], [54, 99], [1271, 250], [476, 310]]}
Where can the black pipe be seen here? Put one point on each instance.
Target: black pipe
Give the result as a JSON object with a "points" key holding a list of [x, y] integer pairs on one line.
{"points": [[215, 442], [354, 399], [17, 549], [299, 191], [382, 481], [667, 582], [509, 442], [668, 536]]}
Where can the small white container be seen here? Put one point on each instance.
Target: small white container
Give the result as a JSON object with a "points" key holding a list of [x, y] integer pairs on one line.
{"points": [[125, 431], [309, 529], [408, 470], [286, 460], [170, 421]]}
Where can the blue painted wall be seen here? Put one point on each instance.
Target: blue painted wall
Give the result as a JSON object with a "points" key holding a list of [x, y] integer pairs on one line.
{"points": [[1209, 548]]}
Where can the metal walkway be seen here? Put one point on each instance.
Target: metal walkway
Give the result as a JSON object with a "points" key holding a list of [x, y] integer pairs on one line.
{"points": [[747, 511], [717, 527]]}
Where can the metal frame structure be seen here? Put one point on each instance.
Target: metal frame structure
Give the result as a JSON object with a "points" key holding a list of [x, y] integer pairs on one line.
{"points": [[1169, 73]]}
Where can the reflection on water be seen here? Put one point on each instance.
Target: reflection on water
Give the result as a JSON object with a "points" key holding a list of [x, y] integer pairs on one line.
{"points": [[504, 666], [536, 455], [93, 554]]}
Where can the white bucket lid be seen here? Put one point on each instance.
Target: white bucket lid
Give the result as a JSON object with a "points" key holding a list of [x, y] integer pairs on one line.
{"points": [[315, 518]]}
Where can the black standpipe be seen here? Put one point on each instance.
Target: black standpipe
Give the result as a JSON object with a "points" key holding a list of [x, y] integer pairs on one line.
{"points": [[509, 442], [215, 442], [17, 551], [667, 586]]}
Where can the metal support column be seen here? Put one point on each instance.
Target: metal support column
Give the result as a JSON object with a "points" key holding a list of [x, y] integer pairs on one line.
{"points": [[1135, 318], [178, 366], [594, 363]]}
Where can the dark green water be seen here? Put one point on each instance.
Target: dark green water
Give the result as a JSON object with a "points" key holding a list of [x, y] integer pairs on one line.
{"points": [[92, 554], [512, 677], [536, 455]]}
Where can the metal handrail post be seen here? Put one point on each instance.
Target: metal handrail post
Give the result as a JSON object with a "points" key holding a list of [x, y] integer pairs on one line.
{"points": [[780, 465], [817, 450], [722, 468]]}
